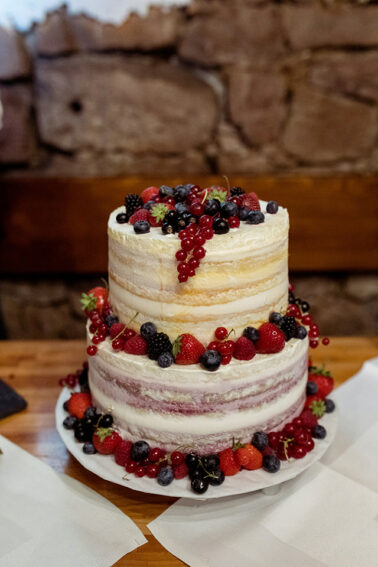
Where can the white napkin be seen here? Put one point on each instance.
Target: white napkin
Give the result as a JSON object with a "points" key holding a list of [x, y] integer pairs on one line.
{"points": [[326, 517], [49, 519]]}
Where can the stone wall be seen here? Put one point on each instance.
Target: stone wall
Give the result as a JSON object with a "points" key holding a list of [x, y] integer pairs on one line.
{"points": [[217, 86]]}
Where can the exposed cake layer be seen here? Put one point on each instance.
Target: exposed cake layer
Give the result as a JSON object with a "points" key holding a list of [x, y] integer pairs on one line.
{"points": [[189, 405], [240, 281]]}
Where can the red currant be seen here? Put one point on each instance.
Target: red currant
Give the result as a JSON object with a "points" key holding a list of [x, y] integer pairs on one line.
{"points": [[199, 252], [177, 458], [118, 343], [221, 333], [187, 243], [181, 255], [273, 437], [93, 314], [307, 320], [297, 422], [291, 287], [234, 222], [213, 345], [309, 444], [152, 471], [183, 234], [199, 239], [226, 348], [92, 328], [131, 466], [205, 221], [191, 272], [194, 263], [289, 429], [91, 350], [183, 268], [182, 278], [313, 333], [140, 471], [226, 359], [299, 452], [128, 333], [192, 229], [103, 329], [96, 339], [156, 454], [325, 341], [208, 233], [293, 311], [196, 209], [314, 343], [170, 201], [300, 436], [71, 380]]}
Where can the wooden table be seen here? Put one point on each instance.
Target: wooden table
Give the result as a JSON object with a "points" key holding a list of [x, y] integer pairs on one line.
{"points": [[33, 369]]}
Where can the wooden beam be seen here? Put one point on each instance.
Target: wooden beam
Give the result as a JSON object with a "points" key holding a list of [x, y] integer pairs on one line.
{"points": [[59, 225]]}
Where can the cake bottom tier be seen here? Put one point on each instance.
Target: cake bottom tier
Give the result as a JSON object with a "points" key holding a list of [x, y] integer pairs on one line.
{"points": [[190, 408]]}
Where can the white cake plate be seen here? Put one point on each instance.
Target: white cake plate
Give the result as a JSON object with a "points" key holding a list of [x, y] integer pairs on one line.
{"points": [[105, 466]]}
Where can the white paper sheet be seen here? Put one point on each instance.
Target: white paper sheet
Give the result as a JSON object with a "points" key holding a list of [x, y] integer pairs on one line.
{"points": [[49, 519], [326, 517]]}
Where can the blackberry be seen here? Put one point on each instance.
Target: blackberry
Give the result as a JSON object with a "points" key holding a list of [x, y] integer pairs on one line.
{"points": [[289, 327], [236, 191], [157, 344], [132, 203]]}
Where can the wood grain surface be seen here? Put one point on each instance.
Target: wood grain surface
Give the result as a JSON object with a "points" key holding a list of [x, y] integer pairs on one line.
{"points": [[59, 225], [33, 368]]}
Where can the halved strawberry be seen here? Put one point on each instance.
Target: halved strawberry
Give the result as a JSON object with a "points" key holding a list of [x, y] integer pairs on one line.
{"points": [[187, 349]]}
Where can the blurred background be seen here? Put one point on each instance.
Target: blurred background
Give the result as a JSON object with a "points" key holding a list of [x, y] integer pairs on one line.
{"points": [[125, 89]]}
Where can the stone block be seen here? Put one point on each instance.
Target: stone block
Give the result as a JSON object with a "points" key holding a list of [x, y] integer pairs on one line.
{"points": [[232, 32], [17, 141], [323, 128], [257, 104], [125, 104], [354, 74], [14, 62], [330, 26], [53, 36]]}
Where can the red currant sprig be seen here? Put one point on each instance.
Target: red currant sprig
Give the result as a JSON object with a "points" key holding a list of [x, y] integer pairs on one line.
{"points": [[192, 250]]}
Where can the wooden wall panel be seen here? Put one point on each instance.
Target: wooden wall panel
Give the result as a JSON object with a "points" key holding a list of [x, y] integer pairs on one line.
{"points": [[59, 225]]}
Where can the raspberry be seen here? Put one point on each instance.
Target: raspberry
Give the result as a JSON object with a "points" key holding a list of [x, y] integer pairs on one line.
{"points": [[116, 330], [135, 345], [122, 452], [308, 419], [244, 349], [140, 214], [228, 463], [180, 471], [251, 201]]}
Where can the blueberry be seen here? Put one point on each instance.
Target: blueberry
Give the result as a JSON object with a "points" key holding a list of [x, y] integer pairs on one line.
{"points": [[211, 462], [260, 440], [216, 480], [89, 448], [122, 218], [192, 460], [305, 306], [106, 420], [142, 227], [271, 463], [147, 330], [181, 208], [329, 405], [220, 226], [319, 432], [199, 485], [111, 319], [149, 205], [65, 405], [139, 451], [275, 318], [166, 191], [166, 359], [301, 332], [228, 209], [181, 193], [243, 213], [311, 388], [91, 412], [211, 360], [251, 333], [272, 207], [165, 476], [70, 422], [212, 207], [255, 217]]}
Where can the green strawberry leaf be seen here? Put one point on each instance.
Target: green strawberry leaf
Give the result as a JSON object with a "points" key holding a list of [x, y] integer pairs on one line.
{"points": [[217, 194], [103, 433], [318, 408], [88, 301], [176, 349], [322, 371], [159, 211]]}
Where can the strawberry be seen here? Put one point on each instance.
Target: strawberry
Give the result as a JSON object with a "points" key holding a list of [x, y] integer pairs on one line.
{"points": [[308, 419], [244, 349], [214, 192], [316, 405], [322, 379], [157, 213], [78, 403], [180, 471], [270, 340], [105, 440], [116, 330], [140, 214], [249, 457], [228, 464], [122, 452], [94, 299], [251, 201], [187, 349], [148, 193], [135, 345]]}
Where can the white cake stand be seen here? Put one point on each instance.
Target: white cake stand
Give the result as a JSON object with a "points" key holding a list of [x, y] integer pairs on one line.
{"points": [[105, 466]]}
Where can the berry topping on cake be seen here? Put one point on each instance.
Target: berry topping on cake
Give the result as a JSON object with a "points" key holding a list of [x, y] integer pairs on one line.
{"points": [[165, 359], [157, 344], [212, 207], [301, 332], [228, 209], [122, 452], [132, 203], [180, 470], [316, 405], [251, 333], [211, 360], [244, 349], [249, 457], [271, 463], [319, 432], [96, 298], [139, 451], [329, 405], [122, 218], [157, 213], [260, 440], [147, 330], [288, 326], [78, 403], [149, 193], [235, 191], [220, 226], [142, 227], [228, 463], [165, 476], [216, 192], [199, 485], [251, 201], [255, 217], [139, 215], [272, 207], [311, 388], [105, 440], [323, 380], [135, 345], [271, 339], [187, 349], [308, 419]]}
